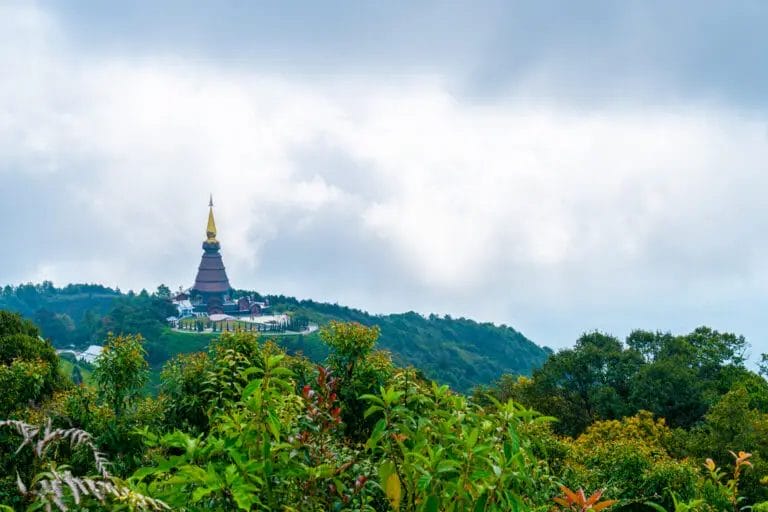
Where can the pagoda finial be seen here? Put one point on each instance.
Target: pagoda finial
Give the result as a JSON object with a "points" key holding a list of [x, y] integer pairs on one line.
{"points": [[210, 231]]}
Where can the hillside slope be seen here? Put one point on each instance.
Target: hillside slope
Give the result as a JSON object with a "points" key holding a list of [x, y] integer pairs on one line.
{"points": [[459, 352]]}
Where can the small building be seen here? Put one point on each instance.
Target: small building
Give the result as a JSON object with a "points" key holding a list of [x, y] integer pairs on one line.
{"points": [[185, 308], [180, 296]]}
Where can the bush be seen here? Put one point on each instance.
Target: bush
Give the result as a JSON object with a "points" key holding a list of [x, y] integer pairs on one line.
{"points": [[630, 458]]}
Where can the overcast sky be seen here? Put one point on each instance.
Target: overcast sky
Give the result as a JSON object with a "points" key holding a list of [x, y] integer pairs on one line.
{"points": [[556, 166]]}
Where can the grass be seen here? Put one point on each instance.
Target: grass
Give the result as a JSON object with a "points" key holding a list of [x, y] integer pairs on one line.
{"points": [[66, 367], [175, 342]]}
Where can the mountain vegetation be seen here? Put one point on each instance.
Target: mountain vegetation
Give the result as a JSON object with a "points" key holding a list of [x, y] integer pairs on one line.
{"points": [[456, 351], [245, 426]]}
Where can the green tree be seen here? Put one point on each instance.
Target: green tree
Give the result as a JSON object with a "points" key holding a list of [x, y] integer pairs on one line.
{"points": [[77, 376], [714, 349], [685, 375], [121, 371], [359, 370], [731, 377], [28, 364], [13, 323], [350, 342], [671, 389], [587, 383], [763, 365], [163, 292], [731, 424], [647, 343], [59, 327], [185, 384]]}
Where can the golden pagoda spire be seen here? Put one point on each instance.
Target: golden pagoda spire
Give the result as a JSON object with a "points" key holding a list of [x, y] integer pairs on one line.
{"points": [[211, 229]]}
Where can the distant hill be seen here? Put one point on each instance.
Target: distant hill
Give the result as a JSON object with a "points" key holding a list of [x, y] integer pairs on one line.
{"points": [[72, 300], [459, 352]]}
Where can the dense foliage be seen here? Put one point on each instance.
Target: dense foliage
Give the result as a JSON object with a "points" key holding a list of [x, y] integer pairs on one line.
{"points": [[28, 364], [68, 315], [245, 426], [645, 410], [675, 377]]}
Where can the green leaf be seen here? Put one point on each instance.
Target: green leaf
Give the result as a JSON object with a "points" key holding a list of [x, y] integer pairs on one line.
{"points": [[201, 492], [253, 370], [386, 468], [446, 466], [391, 395], [273, 423], [432, 504], [142, 472], [507, 451], [655, 506], [424, 482], [282, 371], [480, 503], [472, 438], [373, 398], [193, 473], [245, 496], [339, 486], [480, 474], [272, 361], [372, 409], [378, 432], [251, 388]]}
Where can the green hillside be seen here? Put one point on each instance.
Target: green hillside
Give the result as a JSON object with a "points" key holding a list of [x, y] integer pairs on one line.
{"points": [[68, 315], [459, 352], [456, 351]]}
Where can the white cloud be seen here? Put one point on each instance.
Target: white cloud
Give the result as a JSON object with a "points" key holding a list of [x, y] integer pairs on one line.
{"points": [[476, 208]]}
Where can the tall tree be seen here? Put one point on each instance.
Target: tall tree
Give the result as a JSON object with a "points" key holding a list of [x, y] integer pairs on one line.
{"points": [[587, 383], [121, 371]]}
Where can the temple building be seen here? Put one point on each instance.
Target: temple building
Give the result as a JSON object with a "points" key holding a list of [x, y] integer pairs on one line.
{"points": [[211, 289], [212, 294]]}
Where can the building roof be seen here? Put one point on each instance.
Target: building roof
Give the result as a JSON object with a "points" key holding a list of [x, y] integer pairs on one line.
{"points": [[219, 317], [211, 274]]}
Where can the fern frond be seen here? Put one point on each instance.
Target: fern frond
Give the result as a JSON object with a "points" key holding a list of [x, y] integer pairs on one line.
{"points": [[53, 487]]}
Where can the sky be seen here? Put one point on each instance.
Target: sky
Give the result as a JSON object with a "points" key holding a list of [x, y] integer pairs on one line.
{"points": [[559, 167]]}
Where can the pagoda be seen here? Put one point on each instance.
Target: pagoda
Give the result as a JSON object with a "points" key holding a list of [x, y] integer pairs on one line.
{"points": [[211, 290]]}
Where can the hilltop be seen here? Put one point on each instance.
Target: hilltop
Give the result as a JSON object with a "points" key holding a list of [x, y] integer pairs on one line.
{"points": [[456, 351]]}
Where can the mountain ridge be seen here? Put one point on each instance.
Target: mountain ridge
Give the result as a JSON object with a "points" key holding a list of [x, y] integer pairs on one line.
{"points": [[460, 352]]}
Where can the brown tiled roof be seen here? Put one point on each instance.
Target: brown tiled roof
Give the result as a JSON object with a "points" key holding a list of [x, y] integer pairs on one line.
{"points": [[211, 275]]}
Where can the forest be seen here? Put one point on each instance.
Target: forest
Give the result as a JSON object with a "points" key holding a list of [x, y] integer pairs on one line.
{"points": [[455, 351], [654, 422]]}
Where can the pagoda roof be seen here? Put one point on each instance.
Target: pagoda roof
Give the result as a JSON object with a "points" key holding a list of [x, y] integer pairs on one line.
{"points": [[211, 274]]}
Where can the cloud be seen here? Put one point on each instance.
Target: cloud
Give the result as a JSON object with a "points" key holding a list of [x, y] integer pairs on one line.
{"points": [[384, 192], [645, 52]]}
